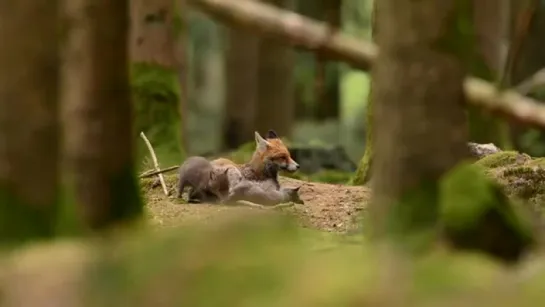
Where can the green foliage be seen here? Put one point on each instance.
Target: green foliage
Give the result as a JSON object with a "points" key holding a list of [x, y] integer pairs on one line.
{"points": [[156, 92], [260, 260]]}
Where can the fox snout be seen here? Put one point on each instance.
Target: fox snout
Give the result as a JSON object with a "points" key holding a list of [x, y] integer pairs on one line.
{"points": [[292, 166]]}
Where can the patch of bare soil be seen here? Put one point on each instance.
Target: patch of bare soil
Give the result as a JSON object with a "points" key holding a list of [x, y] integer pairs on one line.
{"points": [[330, 207]]}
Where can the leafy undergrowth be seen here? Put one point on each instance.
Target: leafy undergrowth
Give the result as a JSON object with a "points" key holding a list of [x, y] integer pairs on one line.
{"points": [[211, 255], [257, 259]]}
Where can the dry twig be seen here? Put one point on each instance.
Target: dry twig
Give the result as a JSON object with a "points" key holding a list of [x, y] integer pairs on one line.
{"points": [[152, 173], [303, 32], [155, 162]]}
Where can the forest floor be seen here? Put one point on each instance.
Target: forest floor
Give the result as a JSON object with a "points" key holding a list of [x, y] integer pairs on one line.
{"points": [[327, 207]]}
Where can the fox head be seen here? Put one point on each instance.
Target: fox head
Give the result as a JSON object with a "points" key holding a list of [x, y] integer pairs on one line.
{"points": [[293, 195], [272, 150]]}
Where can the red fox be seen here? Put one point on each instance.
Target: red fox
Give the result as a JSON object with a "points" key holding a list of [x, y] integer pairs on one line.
{"points": [[262, 193], [270, 156]]}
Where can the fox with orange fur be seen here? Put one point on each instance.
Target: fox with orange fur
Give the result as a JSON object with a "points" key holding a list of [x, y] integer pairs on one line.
{"points": [[270, 156]]}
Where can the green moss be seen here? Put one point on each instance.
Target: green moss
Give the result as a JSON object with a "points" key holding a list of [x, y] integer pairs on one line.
{"points": [[21, 221], [502, 158], [477, 215], [156, 93]]}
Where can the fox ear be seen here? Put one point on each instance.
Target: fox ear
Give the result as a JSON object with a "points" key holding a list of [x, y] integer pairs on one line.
{"points": [[271, 134], [260, 142], [296, 189]]}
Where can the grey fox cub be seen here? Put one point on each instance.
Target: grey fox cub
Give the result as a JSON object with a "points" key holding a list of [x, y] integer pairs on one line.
{"points": [[199, 174], [259, 193]]}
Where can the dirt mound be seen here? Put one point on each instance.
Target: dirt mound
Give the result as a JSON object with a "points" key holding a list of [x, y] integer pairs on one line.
{"points": [[330, 207]]}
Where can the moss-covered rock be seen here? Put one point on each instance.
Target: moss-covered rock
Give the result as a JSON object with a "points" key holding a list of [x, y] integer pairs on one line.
{"points": [[156, 94], [503, 158], [476, 214]]}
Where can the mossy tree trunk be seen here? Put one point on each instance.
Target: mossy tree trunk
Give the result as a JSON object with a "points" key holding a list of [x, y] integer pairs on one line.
{"points": [[98, 114], [327, 74], [241, 60], [155, 76], [420, 122], [181, 32], [28, 120], [275, 107], [487, 63], [363, 173]]}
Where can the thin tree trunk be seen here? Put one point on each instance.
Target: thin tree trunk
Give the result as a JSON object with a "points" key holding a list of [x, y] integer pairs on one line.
{"points": [[363, 173], [241, 59], [420, 122], [487, 63], [28, 120], [528, 30], [155, 76], [98, 113], [328, 93], [183, 68], [275, 107]]}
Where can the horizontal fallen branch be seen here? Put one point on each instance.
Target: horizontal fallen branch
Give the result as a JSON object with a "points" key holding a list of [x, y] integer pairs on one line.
{"points": [[305, 33], [156, 172]]}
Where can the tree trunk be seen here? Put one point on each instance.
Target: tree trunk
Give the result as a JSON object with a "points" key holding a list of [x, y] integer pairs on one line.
{"points": [[528, 60], [275, 107], [241, 60], [98, 113], [28, 120], [487, 64], [155, 76], [327, 92], [363, 173], [420, 122], [182, 57]]}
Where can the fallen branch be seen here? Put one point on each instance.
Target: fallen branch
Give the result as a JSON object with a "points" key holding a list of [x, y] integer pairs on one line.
{"points": [[297, 30], [157, 172], [305, 33], [155, 163]]}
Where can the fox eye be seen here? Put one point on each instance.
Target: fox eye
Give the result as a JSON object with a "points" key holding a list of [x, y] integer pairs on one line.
{"points": [[279, 158]]}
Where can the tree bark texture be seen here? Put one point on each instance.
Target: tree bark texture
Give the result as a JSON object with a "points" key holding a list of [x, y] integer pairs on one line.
{"points": [[327, 75], [487, 63], [98, 113], [275, 107], [155, 76], [420, 122], [241, 60], [28, 119]]}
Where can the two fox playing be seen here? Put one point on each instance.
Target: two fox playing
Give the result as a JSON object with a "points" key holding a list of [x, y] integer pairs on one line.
{"points": [[256, 180]]}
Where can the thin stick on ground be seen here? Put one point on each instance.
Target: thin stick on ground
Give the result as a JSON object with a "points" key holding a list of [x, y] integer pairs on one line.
{"points": [[155, 162], [152, 173], [305, 33], [258, 206]]}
